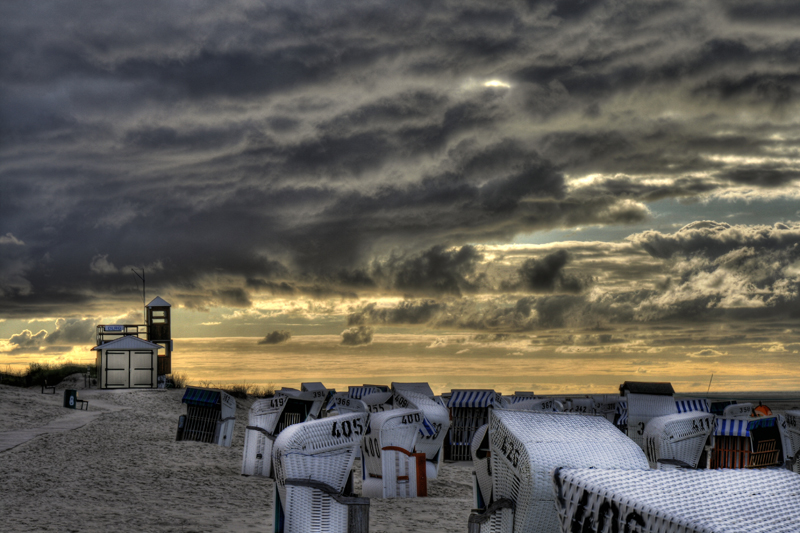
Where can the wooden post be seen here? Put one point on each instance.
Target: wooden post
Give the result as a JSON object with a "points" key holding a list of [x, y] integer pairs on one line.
{"points": [[422, 474], [358, 515]]}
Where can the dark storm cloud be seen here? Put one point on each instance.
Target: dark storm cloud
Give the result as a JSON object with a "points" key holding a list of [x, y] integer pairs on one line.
{"points": [[276, 337], [329, 151], [408, 312], [357, 336], [714, 239], [547, 275], [439, 271]]}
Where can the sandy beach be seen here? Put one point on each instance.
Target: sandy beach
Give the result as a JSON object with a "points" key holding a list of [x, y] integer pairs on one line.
{"points": [[117, 467], [123, 471]]}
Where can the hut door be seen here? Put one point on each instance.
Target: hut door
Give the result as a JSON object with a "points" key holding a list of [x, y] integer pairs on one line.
{"points": [[142, 368], [117, 369]]}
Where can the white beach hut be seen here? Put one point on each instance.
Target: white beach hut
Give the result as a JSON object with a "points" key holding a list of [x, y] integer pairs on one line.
{"points": [[127, 363]]}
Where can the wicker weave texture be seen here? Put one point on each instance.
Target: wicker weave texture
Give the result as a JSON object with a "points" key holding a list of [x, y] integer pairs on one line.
{"points": [[527, 446], [643, 407], [387, 449], [680, 436], [678, 501], [320, 450]]}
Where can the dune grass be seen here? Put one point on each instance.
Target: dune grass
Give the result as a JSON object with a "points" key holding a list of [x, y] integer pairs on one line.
{"points": [[37, 373], [241, 390]]}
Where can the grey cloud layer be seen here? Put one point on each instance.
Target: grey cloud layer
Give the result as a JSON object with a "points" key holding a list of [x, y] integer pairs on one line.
{"points": [[336, 150]]}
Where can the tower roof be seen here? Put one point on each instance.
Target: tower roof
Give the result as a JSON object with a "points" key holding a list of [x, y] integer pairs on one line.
{"points": [[158, 302]]}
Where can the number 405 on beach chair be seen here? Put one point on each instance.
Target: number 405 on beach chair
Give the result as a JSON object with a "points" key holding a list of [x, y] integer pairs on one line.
{"points": [[313, 464]]}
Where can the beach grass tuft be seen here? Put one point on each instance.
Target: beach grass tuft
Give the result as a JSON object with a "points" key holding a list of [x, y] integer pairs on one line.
{"points": [[37, 373], [179, 379]]}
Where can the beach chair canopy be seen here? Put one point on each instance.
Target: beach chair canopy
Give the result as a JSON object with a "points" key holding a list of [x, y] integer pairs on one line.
{"points": [[686, 501], [471, 398], [358, 392], [419, 388], [646, 387], [731, 427], [690, 405]]}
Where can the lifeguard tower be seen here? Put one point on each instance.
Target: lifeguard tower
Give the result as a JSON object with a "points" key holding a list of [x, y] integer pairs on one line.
{"points": [[157, 330]]}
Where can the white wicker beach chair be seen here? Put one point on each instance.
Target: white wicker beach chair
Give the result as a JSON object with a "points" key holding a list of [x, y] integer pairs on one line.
{"points": [[792, 435], [387, 451], [738, 411], [210, 416], [527, 446], [435, 423], [313, 462], [643, 407], [469, 410], [678, 501], [681, 436], [260, 434]]}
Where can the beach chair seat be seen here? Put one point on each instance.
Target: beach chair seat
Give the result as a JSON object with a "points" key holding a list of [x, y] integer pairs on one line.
{"points": [[46, 387], [527, 446], [435, 423], [259, 435], [677, 501], [387, 451], [313, 462], [681, 436]]}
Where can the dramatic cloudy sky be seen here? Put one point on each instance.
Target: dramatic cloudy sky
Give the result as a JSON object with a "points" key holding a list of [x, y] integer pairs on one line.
{"points": [[599, 187]]}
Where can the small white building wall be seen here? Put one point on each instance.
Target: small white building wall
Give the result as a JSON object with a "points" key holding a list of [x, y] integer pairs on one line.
{"points": [[124, 369]]}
